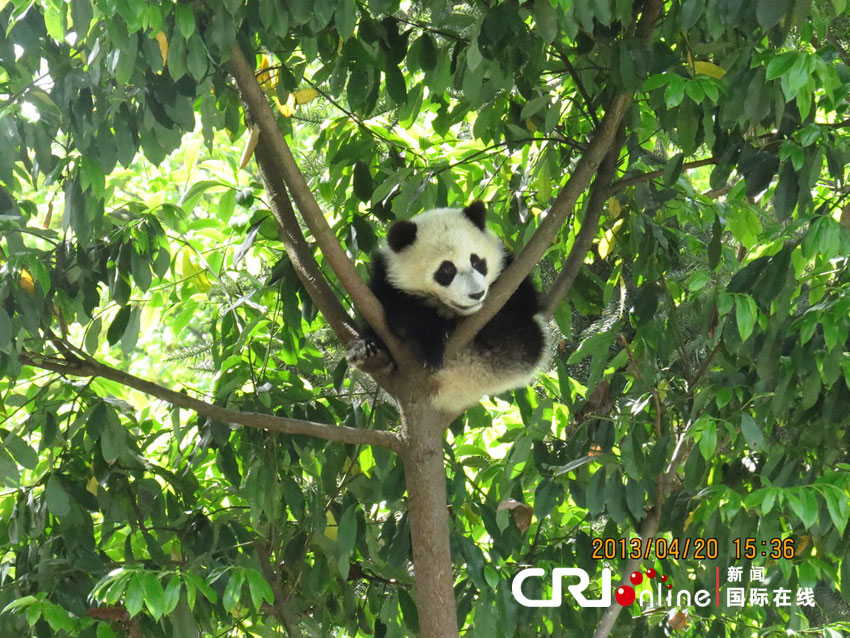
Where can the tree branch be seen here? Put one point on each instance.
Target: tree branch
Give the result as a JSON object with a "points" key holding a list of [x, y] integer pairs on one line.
{"points": [[563, 205], [364, 301], [297, 248], [645, 177], [589, 225], [89, 367]]}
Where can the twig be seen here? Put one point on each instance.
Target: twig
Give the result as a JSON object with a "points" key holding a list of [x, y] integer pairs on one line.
{"points": [[645, 177]]}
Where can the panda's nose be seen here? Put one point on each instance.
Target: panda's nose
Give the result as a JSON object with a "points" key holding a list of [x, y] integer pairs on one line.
{"points": [[476, 295]]}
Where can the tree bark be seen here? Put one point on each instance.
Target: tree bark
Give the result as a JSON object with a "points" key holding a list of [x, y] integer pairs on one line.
{"points": [[425, 476]]}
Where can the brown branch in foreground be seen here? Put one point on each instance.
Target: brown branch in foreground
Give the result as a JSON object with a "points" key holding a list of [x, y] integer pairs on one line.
{"points": [[645, 177], [589, 225], [89, 367], [564, 204], [561, 208], [263, 116], [298, 250]]}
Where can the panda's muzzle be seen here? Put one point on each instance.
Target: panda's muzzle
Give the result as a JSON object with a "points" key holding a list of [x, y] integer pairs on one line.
{"points": [[477, 295]]}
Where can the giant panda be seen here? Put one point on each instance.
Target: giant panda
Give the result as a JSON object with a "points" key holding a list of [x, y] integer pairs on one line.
{"points": [[432, 271]]}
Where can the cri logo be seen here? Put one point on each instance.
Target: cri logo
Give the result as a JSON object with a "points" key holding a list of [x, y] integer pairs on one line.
{"points": [[624, 595]]}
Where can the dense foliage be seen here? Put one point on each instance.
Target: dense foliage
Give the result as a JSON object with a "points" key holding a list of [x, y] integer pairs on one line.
{"points": [[700, 377]]}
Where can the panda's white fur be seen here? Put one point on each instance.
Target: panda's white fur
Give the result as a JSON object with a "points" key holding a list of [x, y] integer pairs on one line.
{"points": [[431, 272], [445, 234]]}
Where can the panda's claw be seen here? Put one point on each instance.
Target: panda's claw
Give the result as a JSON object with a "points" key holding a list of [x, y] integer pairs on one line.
{"points": [[369, 356]]}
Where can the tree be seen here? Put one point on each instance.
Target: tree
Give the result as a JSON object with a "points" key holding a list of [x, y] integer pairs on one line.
{"points": [[676, 170]]}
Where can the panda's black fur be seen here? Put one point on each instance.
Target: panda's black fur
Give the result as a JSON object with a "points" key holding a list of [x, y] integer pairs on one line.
{"points": [[431, 272]]}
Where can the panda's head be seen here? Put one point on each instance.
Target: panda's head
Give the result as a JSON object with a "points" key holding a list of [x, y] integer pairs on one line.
{"points": [[446, 256]]}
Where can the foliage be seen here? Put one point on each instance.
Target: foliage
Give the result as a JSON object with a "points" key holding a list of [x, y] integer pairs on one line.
{"points": [[707, 334]]}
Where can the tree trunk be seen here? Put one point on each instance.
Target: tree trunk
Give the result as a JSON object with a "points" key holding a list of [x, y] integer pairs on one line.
{"points": [[425, 476]]}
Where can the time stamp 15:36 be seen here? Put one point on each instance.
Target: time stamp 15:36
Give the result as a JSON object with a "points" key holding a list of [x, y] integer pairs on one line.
{"points": [[690, 548]]}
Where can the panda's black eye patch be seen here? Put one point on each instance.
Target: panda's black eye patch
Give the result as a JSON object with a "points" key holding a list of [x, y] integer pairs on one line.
{"points": [[445, 273], [479, 264]]}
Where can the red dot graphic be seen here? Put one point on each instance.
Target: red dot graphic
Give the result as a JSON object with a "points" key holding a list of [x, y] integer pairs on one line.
{"points": [[650, 572], [664, 578], [625, 595], [636, 578]]}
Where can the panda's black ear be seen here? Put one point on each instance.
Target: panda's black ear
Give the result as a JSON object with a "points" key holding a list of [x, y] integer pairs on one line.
{"points": [[476, 212], [401, 235]]}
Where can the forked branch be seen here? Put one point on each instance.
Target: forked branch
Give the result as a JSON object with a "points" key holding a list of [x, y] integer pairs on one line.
{"points": [[364, 301], [563, 205]]}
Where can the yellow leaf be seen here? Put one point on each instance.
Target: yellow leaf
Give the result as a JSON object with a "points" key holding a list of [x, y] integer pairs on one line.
{"points": [[91, 486], [190, 270], [530, 125], [248, 151], [203, 281], [709, 69], [163, 47], [267, 77], [26, 281], [605, 244], [614, 208], [331, 528], [689, 519], [287, 109], [305, 95]]}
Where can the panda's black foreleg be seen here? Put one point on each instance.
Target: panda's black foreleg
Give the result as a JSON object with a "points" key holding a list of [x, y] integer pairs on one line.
{"points": [[369, 354]]}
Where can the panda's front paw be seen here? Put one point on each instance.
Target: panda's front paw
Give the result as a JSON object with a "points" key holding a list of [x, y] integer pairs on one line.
{"points": [[369, 356]]}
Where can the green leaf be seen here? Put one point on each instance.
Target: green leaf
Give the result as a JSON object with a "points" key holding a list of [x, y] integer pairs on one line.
{"points": [[118, 325], [56, 497], [786, 192], [836, 503], [346, 538], [19, 603], [363, 186], [153, 593], [185, 19], [258, 587], [746, 313], [171, 595], [23, 453], [691, 12], [113, 440], [752, 432], [770, 12], [408, 611], [708, 439], [196, 58], [546, 496], [233, 589], [396, 88], [134, 597], [545, 20], [804, 504], [780, 65], [345, 18]]}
